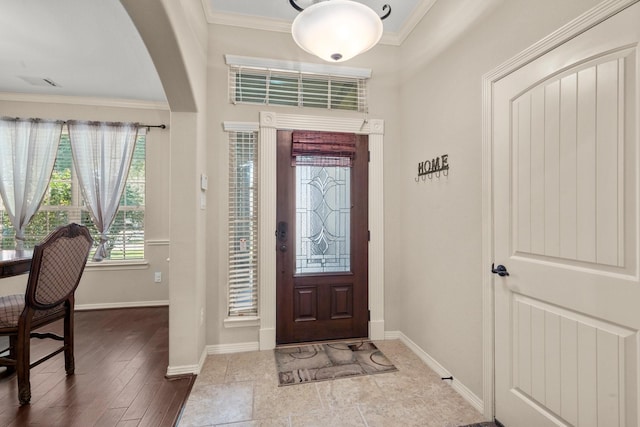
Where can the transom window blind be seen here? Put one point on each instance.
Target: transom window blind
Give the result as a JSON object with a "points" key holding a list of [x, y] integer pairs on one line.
{"points": [[243, 224], [251, 85]]}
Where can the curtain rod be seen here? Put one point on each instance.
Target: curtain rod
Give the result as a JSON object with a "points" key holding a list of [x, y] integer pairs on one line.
{"points": [[161, 126]]}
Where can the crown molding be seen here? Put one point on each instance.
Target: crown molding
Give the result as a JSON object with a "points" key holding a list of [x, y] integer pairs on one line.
{"points": [[414, 18], [82, 100], [278, 25], [246, 21]]}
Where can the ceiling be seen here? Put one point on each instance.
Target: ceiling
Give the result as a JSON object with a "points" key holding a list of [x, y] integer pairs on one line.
{"points": [[90, 48], [278, 14]]}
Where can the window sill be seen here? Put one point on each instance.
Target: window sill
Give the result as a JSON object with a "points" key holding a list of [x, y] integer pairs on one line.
{"points": [[138, 264], [241, 321]]}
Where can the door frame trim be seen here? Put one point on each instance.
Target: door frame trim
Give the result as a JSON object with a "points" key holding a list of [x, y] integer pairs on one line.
{"points": [[582, 23], [270, 123]]}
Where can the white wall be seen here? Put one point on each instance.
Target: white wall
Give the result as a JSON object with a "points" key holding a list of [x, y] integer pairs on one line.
{"points": [[435, 256], [175, 34], [115, 285]]}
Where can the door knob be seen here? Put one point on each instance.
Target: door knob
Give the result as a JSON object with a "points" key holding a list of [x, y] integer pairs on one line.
{"points": [[500, 270], [283, 248]]}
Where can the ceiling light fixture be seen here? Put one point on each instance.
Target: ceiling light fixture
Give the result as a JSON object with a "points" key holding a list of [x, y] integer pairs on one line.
{"points": [[337, 30]]}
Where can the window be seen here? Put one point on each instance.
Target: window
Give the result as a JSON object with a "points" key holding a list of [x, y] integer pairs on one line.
{"points": [[243, 224], [267, 87], [63, 204], [272, 82]]}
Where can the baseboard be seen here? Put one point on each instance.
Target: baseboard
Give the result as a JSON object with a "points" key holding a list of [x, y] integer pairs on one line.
{"points": [[103, 306], [463, 390], [392, 335], [177, 371], [233, 348]]}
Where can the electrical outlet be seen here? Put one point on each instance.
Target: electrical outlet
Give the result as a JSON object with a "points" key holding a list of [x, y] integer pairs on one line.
{"points": [[202, 316], [157, 277]]}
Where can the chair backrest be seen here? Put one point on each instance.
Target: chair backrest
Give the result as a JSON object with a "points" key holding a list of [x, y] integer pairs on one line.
{"points": [[57, 266]]}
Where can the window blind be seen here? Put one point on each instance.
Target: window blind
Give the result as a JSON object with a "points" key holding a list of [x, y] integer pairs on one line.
{"points": [[265, 86], [323, 148], [243, 224]]}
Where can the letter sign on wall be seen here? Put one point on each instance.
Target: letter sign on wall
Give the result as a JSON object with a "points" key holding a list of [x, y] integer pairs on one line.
{"points": [[437, 165]]}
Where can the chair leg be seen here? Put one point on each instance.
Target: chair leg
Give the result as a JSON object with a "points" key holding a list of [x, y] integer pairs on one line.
{"points": [[23, 358], [13, 339], [69, 361]]}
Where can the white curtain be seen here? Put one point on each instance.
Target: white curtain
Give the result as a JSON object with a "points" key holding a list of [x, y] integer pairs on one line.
{"points": [[28, 150], [102, 155]]}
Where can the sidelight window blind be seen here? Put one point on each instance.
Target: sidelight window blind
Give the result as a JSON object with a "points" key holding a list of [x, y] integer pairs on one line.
{"points": [[243, 224]]}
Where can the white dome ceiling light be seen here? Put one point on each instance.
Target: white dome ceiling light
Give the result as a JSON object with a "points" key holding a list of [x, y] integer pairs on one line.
{"points": [[337, 30]]}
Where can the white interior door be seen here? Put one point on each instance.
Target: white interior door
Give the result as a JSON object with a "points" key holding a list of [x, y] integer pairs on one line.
{"points": [[565, 177]]}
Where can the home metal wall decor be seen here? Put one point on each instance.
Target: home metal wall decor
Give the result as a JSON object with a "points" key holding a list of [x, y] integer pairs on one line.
{"points": [[437, 165]]}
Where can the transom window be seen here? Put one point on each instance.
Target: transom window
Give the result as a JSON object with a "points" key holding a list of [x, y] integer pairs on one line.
{"points": [[272, 82], [268, 87]]}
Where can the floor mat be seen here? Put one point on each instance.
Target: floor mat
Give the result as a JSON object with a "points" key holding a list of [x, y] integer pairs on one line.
{"points": [[321, 362]]}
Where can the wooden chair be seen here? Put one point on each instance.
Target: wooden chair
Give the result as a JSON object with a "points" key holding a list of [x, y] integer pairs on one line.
{"points": [[56, 269]]}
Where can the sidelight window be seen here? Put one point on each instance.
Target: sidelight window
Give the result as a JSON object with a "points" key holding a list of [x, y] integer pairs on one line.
{"points": [[243, 224]]}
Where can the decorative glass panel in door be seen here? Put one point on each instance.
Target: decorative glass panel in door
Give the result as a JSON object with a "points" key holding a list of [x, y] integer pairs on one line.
{"points": [[323, 211]]}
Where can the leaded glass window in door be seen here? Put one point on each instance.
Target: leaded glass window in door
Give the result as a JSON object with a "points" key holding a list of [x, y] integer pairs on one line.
{"points": [[323, 210]]}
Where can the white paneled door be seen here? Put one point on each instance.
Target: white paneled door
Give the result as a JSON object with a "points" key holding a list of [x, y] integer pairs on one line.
{"points": [[565, 185]]}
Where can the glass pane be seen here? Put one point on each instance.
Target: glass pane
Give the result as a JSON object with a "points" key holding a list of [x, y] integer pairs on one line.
{"points": [[283, 90], [315, 93], [251, 88], [344, 96], [323, 210], [126, 235]]}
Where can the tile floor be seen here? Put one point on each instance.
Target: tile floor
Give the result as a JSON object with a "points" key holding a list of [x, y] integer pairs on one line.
{"points": [[242, 390]]}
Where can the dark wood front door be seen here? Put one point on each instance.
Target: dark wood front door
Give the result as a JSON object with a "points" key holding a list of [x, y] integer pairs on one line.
{"points": [[322, 245]]}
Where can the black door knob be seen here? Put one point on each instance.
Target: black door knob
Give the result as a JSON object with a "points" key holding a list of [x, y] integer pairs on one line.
{"points": [[500, 270]]}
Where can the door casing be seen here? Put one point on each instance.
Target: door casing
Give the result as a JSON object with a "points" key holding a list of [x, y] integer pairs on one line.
{"points": [[270, 123]]}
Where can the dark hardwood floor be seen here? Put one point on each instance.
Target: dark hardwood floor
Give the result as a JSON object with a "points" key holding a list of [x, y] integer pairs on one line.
{"points": [[121, 360]]}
